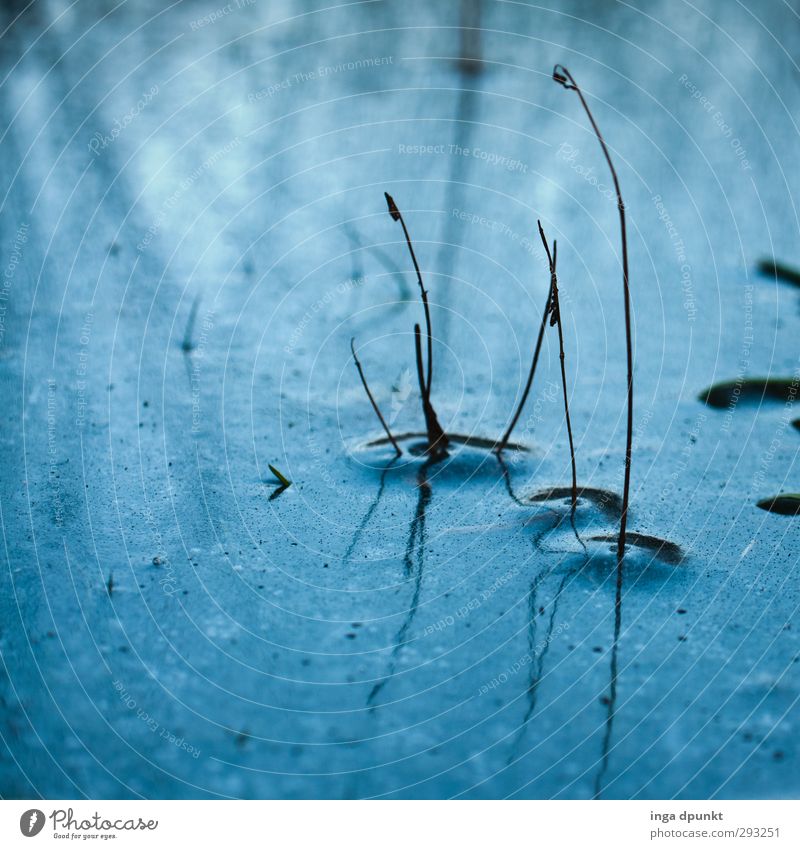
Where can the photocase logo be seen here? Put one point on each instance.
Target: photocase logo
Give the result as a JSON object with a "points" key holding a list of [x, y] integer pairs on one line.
{"points": [[31, 822]]}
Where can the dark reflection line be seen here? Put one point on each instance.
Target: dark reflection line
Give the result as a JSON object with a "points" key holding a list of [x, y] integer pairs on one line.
{"points": [[558, 521], [372, 508], [279, 491], [458, 438], [537, 538], [575, 531], [537, 657], [416, 543], [532, 680], [535, 679], [507, 479], [515, 498], [612, 696]]}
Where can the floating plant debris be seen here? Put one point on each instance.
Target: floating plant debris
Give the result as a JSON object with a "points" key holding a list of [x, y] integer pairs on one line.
{"points": [[282, 479], [757, 389], [606, 501], [670, 552], [787, 504], [772, 268], [458, 438]]}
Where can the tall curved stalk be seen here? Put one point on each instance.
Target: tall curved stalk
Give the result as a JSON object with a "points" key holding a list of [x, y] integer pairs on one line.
{"points": [[437, 438], [563, 77], [398, 216]]}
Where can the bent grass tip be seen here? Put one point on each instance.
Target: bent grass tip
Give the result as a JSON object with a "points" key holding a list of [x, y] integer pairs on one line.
{"points": [[393, 210], [780, 271], [563, 77]]}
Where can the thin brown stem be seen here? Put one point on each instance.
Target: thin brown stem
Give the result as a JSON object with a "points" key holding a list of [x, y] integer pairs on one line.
{"points": [[555, 318], [398, 216], [420, 375], [504, 440], [437, 439], [563, 77], [372, 400]]}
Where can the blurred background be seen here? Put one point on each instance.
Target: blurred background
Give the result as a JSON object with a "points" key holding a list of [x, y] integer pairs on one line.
{"points": [[192, 229]]}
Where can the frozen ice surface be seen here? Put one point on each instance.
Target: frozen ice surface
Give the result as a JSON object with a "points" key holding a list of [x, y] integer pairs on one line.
{"points": [[427, 630]]}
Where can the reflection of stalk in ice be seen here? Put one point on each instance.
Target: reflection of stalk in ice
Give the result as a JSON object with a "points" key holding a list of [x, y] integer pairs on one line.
{"points": [[415, 545], [507, 478], [612, 690], [536, 669], [372, 508]]}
